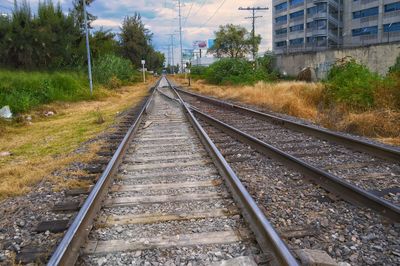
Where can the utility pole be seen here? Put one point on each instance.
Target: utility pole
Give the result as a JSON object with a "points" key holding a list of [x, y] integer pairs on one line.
{"points": [[253, 17], [169, 58], [180, 33], [172, 52], [88, 48]]}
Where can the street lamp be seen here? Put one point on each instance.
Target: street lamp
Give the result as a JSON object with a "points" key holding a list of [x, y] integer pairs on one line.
{"points": [[88, 48]]}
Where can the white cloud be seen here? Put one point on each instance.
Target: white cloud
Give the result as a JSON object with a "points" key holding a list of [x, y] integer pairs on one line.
{"points": [[107, 23]]}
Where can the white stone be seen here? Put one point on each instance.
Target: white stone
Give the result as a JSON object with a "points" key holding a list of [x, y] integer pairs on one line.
{"points": [[239, 261], [5, 112], [312, 257]]}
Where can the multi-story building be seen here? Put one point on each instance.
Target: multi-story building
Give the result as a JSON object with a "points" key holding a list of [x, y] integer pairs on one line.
{"points": [[310, 25], [371, 21], [306, 24]]}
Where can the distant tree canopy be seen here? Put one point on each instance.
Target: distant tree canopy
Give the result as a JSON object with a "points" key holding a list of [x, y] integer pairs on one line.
{"points": [[136, 44], [50, 39], [233, 41]]}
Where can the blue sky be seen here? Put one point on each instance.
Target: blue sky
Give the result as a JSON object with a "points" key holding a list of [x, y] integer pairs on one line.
{"points": [[200, 18]]}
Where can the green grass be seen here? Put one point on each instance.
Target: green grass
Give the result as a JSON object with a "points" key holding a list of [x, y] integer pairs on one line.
{"points": [[24, 90]]}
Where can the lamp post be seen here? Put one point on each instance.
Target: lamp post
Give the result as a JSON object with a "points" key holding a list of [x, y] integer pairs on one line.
{"points": [[88, 48], [144, 73]]}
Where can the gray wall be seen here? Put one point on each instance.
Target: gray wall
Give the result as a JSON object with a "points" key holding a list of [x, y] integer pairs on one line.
{"points": [[377, 58]]}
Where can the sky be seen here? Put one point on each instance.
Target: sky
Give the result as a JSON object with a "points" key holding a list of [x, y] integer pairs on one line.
{"points": [[200, 18]]}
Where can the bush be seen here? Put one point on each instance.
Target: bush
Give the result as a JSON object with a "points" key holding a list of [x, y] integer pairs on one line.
{"points": [[235, 71], [108, 69], [396, 67], [199, 71], [25, 90], [352, 84]]}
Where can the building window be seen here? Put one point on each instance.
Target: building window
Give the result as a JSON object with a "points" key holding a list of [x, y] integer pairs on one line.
{"points": [[366, 13], [318, 8], [296, 2], [281, 31], [392, 7], [281, 19], [317, 41], [392, 27], [299, 27], [280, 44], [317, 24], [365, 31], [280, 7], [298, 41], [297, 14]]}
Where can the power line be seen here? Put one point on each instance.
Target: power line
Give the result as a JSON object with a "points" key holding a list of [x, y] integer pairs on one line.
{"points": [[216, 11], [190, 10], [202, 5]]}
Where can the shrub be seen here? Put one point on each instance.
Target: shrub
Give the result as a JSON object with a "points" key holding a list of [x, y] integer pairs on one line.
{"points": [[110, 68], [235, 71], [352, 84], [198, 71], [24, 90], [396, 67]]}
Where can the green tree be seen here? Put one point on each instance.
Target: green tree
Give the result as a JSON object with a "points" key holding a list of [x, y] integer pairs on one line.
{"points": [[135, 39], [233, 41], [103, 42], [19, 39], [77, 14]]}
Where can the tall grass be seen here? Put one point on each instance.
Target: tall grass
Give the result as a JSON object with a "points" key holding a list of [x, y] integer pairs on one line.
{"points": [[308, 100], [294, 98], [25, 90], [114, 71]]}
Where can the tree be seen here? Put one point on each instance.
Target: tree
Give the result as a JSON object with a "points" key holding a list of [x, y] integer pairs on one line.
{"points": [[77, 13], [135, 39], [136, 44], [233, 41], [102, 42]]}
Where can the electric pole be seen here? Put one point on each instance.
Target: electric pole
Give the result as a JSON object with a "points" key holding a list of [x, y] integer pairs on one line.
{"points": [[253, 31], [172, 52], [180, 33], [88, 48], [169, 58]]}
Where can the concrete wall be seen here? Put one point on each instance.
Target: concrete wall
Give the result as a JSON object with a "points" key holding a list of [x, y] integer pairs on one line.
{"points": [[377, 58]]}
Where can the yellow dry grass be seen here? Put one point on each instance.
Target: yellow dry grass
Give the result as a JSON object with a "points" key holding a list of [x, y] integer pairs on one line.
{"points": [[305, 100], [47, 144]]}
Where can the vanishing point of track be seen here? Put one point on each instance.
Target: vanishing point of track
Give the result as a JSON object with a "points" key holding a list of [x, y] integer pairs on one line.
{"points": [[169, 197]]}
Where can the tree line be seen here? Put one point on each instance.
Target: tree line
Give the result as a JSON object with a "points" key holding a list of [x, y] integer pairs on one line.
{"points": [[50, 39]]}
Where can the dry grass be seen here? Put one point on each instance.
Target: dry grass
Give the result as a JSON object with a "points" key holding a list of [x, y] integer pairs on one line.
{"points": [[47, 144], [295, 98], [305, 100]]}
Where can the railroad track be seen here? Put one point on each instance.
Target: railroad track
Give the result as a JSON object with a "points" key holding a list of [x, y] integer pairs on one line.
{"points": [[175, 200], [303, 213], [328, 158], [168, 197]]}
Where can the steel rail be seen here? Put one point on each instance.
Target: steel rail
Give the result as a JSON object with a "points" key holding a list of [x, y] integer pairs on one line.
{"points": [[381, 151], [331, 183], [68, 250], [266, 236]]}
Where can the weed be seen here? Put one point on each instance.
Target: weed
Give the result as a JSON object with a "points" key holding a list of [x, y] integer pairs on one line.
{"points": [[352, 84], [99, 116], [114, 71], [25, 90]]}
